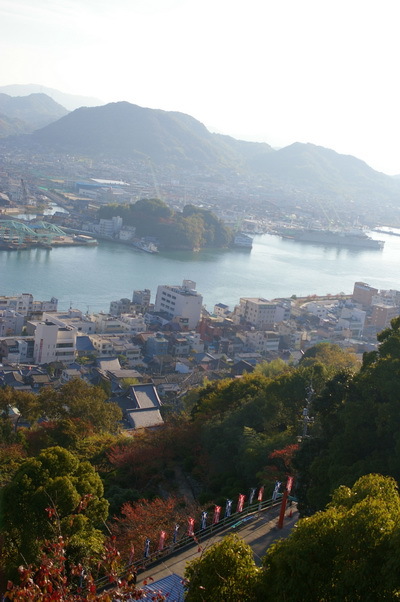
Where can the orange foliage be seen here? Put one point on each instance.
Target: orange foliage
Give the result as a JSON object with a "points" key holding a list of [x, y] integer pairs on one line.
{"points": [[146, 519]]}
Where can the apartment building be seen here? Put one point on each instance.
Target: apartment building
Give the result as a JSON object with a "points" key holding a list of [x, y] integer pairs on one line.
{"points": [[182, 303], [260, 312], [54, 343]]}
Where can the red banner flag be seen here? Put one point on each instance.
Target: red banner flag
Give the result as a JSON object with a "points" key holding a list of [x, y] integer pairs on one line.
{"points": [[190, 527], [260, 494], [289, 484], [217, 512], [161, 541], [240, 503]]}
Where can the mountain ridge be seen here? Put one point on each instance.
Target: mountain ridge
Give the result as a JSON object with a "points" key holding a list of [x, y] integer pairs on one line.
{"points": [[35, 110], [69, 101], [180, 143]]}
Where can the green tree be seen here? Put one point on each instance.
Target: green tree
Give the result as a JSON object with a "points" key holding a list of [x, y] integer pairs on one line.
{"points": [[357, 425], [77, 399], [347, 552], [226, 571], [331, 356], [272, 369], [52, 494]]}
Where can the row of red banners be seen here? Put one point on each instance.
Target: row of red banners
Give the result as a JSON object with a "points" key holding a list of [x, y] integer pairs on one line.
{"points": [[216, 516]]}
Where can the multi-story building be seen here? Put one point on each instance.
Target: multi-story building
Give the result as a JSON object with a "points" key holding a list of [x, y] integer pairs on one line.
{"points": [[263, 342], [382, 315], [352, 320], [54, 343], [17, 350], [180, 302], [25, 304], [142, 298], [363, 293], [110, 227], [116, 345], [261, 313], [156, 345], [221, 310], [73, 318], [11, 322], [123, 306]]}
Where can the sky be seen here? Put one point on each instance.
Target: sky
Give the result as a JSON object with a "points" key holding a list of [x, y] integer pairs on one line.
{"points": [[283, 71]]}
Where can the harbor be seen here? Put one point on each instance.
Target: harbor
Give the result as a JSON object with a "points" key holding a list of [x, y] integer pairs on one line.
{"points": [[17, 236]]}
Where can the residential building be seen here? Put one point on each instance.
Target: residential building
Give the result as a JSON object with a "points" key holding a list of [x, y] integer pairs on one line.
{"points": [[260, 312], [73, 318], [25, 304], [181, 302], [11, 322], [363, 293], [221, 310], [263, 342], [142, 298], [17, 350], [54, 343], [123, 306], [156, 345], [382, 315]]}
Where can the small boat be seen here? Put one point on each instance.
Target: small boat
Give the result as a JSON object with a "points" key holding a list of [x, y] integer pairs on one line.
{"points": [[147, 247]]}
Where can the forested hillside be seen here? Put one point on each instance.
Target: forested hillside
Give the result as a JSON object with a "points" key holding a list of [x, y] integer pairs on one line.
{"points": [[193, 228]]}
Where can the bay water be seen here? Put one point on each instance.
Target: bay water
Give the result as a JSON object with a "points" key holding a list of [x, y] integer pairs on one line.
{"points": [[89, 278]]}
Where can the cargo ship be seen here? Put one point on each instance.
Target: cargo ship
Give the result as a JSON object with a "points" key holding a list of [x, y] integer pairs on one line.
{"points": [[340, 238]]}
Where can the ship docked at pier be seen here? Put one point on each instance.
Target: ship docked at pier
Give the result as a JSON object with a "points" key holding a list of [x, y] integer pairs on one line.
{"points": [[340, 238]]}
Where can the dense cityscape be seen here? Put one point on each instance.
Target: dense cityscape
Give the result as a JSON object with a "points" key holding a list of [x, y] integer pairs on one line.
{"points": [[164, 438]]}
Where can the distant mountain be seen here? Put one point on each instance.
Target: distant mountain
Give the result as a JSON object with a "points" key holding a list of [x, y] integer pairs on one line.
{"points": [[322, 171], [167, 138], [300, 174], [69, 101], [36, 110], [10, 126]]}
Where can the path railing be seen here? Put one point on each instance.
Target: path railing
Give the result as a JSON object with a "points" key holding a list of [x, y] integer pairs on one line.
{"points": [[235, 520]]}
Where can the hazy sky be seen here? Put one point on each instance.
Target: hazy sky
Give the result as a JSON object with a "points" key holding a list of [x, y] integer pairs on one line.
{"points": [[320, 71]]}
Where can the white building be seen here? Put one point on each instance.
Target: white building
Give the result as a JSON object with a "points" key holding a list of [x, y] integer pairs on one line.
{"points": [[114, 345], [321, 308], [260, 312], [352, 320], [25, 304], [110, 227], [54, 343], [262, 341], [183, 303], [125, 324], [11, 322], [122, 306], [141, 298], [73, 318]]}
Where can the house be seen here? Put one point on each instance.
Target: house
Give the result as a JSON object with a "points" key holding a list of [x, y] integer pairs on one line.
{"points": [[141, 406]]}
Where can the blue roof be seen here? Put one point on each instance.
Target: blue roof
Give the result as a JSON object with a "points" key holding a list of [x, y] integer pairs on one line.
{"points": [[171, 586], [83, 343]]}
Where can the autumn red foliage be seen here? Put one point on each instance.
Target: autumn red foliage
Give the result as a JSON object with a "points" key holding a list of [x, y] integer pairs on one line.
{"points": [[145, 519]]}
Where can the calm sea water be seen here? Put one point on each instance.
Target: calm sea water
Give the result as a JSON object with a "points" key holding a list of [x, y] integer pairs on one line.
{"points": [[89, 278]]}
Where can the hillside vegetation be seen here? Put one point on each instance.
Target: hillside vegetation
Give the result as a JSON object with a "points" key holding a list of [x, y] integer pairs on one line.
{"points": [[193, 228]]}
